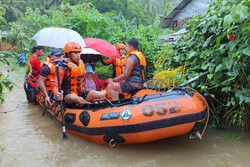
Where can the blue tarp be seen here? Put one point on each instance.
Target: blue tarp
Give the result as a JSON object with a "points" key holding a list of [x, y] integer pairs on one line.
{"points": [[22, 58]]}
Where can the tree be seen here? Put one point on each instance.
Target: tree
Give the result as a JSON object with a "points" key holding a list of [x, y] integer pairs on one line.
{"points": [[130, 9], [151, 6], [48, 4], [14, 9], [3, 22]]}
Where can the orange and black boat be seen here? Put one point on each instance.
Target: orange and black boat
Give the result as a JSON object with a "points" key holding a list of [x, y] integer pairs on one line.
{"points": [[146, 116]]}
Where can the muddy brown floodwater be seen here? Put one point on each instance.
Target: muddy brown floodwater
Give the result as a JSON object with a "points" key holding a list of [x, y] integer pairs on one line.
{"points": [[29, 140]]}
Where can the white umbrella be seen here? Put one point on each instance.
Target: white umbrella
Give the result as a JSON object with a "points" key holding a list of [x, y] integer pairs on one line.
{"points": [[57, 37], [90, 51]]}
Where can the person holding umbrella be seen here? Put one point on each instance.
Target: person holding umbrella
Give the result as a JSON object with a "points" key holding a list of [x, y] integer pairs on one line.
{"points": [[48, 74], [134, 74], [118, 63], [72, 79]]}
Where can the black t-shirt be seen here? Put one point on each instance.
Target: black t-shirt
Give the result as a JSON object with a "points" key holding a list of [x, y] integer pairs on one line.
{"points": [[45, 71]]}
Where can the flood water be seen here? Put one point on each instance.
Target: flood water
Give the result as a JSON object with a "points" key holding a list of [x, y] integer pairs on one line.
{"points": [[27, 140]]}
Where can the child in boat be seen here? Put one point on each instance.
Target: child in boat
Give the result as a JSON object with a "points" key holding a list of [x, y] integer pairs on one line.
{"points": [[92, 82]]}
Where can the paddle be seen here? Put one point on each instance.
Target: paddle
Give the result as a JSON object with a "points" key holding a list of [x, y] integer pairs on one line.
{"points": [[61, 64], [190, 81], [194, 79]]}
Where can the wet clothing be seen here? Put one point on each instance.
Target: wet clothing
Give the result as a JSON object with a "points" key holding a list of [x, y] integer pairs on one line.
{"points": [[45, 71], [126, 87], [35, 64], [99, 83], [136, 80], [71, 79], [118, 65], [30, 92], [48, 59], [136, 75], [49, 71], [75, 81], [138, 72], [90, 84], [31, 78]]}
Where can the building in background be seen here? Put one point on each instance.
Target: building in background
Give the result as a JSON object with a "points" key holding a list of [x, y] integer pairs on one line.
{"points": [[170, 38], [183, 12], [4, 44]]}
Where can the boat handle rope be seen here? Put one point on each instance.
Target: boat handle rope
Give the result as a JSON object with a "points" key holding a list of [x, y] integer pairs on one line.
{"points": [[204, 129]]}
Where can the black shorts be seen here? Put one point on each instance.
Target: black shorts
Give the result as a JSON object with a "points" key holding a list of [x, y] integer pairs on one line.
{"points": [[30, 92], [126, 87]]}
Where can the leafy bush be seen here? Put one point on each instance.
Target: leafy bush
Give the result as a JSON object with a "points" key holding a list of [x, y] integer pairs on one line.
{"points": [[217, 41], [5, 82], [102, 71]]}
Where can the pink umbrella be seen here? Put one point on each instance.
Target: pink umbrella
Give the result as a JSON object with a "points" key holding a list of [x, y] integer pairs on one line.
{"points": [[106, 49]]}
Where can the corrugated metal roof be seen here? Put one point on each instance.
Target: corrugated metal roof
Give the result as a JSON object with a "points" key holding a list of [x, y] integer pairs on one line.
{"points": [[186, 9], [174, 12], [177, 9]]}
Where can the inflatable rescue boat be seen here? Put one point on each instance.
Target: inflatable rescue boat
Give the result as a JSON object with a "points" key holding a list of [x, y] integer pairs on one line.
{"points": [[146, 116]]}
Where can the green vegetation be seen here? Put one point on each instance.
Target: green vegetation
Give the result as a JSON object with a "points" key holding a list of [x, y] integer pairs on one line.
{"points": [[143, 12], [217, 42], [5, 82], [102, 71]]}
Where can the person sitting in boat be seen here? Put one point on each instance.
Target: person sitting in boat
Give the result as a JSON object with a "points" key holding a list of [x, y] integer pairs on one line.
{"points": [[48, 74], [92, 81], [118, 63], [134, 75], [32, 73], [72, 79]]}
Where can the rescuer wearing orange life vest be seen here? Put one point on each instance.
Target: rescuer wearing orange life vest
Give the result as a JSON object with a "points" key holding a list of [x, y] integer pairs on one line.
{"points": [[134, 74], [48, 74], [72, 79], [118, 63]]}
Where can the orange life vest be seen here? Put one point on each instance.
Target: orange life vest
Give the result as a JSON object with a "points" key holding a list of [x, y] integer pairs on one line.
{"points": [[119, 66], [48, 59], [77, 76], [50, 80], [142, 60]]}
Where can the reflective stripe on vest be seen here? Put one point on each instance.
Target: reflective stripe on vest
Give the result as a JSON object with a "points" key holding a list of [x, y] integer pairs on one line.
{"points": [[48, 59], [77, 77]]}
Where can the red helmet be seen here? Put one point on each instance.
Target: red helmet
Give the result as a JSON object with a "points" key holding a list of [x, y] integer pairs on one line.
{"points": [[120, 46], [72, 47]]}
